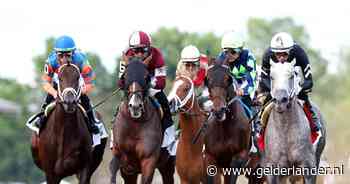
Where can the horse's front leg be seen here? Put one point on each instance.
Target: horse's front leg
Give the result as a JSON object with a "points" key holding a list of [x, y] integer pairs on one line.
{"points": [[310, 179], [148, 166], [213, 172], [271, 179], [237, 163], [84, 176], [113, 168], [52, 179]]}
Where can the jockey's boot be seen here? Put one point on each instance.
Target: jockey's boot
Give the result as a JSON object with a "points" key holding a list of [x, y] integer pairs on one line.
{"points": [[168, 128], [316, 124], [167, 119], [91, 123], [256, 134], [85, 101], [315, 120], [42, 118]]}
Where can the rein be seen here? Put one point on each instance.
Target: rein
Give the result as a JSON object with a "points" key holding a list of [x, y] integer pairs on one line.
{"points": [[189, 96]]}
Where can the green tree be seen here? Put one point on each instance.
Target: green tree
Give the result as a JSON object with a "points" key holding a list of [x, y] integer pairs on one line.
{"points": [[16, 163], [104, 82]]}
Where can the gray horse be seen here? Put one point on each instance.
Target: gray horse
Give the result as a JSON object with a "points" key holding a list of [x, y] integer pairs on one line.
{"points": [[287, 135]]}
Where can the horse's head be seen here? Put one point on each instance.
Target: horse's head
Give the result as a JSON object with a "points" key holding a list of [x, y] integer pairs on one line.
{"points": [[181, 96], [220, 83], [136, 80], [283, 84], [69, 86]]}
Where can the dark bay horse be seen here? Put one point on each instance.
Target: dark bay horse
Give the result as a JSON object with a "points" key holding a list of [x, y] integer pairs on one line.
{"points": [[287, 134], [227, 137], [137, 134], [189, 159], [64, 145]]}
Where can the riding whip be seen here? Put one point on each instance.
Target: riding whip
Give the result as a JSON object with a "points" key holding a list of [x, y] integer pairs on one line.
{"points": [[104, 100]]}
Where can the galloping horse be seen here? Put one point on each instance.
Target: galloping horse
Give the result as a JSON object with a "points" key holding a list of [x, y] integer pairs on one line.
{"points": [[64, 145], [228, 134], [189, 160], [137, 133], [287, 135]]}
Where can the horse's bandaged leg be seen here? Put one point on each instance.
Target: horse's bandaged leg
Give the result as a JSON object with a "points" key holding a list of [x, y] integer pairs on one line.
{"points": [[169, 140]]}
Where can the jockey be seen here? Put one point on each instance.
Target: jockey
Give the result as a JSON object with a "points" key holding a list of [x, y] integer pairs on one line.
{"points": [[284, 49], [140, 46], [65, 50], [242, 65], [195, 65]]}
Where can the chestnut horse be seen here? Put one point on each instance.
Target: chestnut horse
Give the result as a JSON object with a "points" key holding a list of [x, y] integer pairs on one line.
{"points": [[64, 145], [189, 160], [137, 133], [227, 137]]}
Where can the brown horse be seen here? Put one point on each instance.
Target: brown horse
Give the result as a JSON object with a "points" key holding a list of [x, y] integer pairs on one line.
{"points": [[64, 145], [137, 133], [189, 160], [227, 137]]}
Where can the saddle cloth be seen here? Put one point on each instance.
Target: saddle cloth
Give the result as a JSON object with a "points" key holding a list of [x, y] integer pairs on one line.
{"points": [[265, 113]]}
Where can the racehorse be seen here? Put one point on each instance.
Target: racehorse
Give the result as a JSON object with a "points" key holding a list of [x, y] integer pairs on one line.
{"points": [[287, 134], [64, 145], [189, 160], [227, 137], [137, 133]]}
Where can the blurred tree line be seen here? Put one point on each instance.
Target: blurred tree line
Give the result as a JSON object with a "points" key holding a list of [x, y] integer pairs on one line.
{"points": [[16, 163]]}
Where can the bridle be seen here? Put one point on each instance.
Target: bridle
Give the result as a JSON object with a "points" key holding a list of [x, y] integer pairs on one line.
{"points": [[181, 104], [76, 93]]}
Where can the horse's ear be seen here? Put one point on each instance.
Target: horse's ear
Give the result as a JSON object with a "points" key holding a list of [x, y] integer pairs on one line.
{"points": [[225, 62], [211, 61]]}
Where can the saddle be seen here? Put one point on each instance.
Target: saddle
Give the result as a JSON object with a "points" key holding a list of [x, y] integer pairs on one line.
{"points": [[264, 117]]}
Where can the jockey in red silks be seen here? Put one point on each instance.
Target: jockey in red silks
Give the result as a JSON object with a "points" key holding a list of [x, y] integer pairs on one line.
{"points": [[65, 50], [194, 65], [140, 46]]}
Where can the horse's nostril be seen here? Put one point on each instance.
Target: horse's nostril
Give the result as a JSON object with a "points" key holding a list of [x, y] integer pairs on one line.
{"points": [[222, 109], [284, 100]]}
